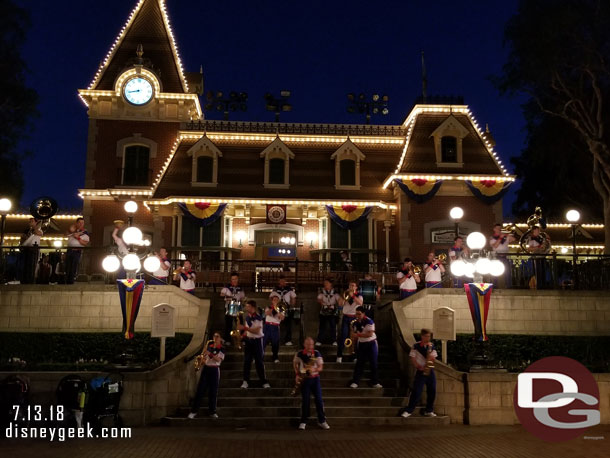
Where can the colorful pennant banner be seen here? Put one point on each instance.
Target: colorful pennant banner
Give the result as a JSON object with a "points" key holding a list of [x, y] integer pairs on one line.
{"points": [[489, 191], [130, 292], [348, 216], [418, 189], [204, 213], [479, 295]]}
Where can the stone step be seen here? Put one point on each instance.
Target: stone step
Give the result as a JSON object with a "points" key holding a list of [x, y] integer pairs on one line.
{"points": [[295, 401], [287, 356], [289, 382], [273, 373], [266, 423], [277, 392], [295, 411], [286, 364]]}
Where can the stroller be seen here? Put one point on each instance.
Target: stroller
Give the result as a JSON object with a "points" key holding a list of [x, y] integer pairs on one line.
{"points": [[14, 391], [104, 398], [71, 393]]}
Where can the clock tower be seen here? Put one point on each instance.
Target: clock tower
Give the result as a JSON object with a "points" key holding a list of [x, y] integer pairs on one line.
{"points": [[136, 103]]}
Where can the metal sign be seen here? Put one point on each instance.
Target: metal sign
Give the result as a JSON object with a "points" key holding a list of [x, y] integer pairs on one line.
{"points": [[443, 323], [163, 322]]}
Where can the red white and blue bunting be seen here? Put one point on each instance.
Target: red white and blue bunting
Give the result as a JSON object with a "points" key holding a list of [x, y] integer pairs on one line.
{"points": [[418, 189], [204, 213], [348, 216], [488, 191]]}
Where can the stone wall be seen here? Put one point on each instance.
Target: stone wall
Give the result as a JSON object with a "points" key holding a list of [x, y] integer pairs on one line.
{"points": [[87, 308], [480, 398], [147, 396], [515, 311]]}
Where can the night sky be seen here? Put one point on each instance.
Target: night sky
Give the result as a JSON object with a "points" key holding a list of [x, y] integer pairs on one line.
{"points": [[318, 50]]}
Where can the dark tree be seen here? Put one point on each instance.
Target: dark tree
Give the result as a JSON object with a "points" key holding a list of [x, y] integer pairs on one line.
{"points": [[558, 55], [552, 171], [17, 101]]}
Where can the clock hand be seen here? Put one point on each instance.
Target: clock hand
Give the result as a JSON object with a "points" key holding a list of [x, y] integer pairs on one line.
{"points": [[137, 90]]}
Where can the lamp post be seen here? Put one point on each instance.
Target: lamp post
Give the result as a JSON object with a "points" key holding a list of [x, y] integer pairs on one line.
{"points": [[131, 208], [5, 207], [475, 266], [279, 104], [573, 217], [376, 105], [456, 214]]}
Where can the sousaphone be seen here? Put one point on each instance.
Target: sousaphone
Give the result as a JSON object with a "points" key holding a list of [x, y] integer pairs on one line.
{"points": [[43, 209]]}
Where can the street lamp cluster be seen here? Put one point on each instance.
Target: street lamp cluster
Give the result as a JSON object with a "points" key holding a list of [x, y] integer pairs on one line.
{"points": [[132, 261]]}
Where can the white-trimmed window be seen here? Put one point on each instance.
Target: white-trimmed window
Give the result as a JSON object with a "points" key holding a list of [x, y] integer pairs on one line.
{"points": [[135, 153], [277, 164], [347, 166], [448, 142], [205, 156]]}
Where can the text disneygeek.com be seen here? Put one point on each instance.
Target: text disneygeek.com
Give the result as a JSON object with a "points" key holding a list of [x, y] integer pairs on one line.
{"points": [[60, 434]]}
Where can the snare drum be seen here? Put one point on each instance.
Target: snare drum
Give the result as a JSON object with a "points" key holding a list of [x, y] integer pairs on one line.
{"points": [[233, 308], [368, 289]]}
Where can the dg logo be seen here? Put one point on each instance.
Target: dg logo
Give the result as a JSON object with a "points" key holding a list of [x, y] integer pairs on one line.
{"points": [[557, 399]]}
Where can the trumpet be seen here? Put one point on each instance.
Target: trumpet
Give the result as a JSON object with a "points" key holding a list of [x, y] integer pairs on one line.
{"points": [[442, 258], [347, 294], [417, 270], [202, 358]]}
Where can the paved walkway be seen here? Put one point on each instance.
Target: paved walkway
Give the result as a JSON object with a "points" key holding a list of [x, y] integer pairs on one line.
{"points": [[454, 441]]}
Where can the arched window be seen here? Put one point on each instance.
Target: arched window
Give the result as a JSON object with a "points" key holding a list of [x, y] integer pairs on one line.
{"points": [[205, 169], [347, 172], [449, 149], [136, 165], [276, 171]]}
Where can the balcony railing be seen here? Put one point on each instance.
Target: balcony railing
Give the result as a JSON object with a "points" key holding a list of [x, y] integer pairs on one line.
{"points": [[214, 268], [296, 128]]}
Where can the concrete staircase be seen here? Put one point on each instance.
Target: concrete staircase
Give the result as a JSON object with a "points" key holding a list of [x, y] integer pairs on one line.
{"points": [[259, 408]]}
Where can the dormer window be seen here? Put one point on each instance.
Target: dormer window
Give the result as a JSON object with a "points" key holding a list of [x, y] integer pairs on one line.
{"points": [[347, 166], [347, 172], [449, 149], [448, 138], [277, 164], [205, 156]]}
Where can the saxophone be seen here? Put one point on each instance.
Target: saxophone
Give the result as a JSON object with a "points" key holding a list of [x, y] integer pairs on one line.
{"points": [[303, 373], [202, 358], [429, 362], [350, 342], [236, 334]]}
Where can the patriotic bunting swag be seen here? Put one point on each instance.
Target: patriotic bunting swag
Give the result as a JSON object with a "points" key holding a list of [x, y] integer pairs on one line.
{"points": [[419, 190], [489, 191], [479, 295], [348, 216], [130, 292], [204, 213]]}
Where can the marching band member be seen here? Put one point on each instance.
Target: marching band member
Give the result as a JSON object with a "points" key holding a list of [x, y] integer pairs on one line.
{"points": [[328, 301], [161, 275], [231, 292], [433, 271], [366, 348], [273, 318], [288, 296], [536, 245], [308, 363], [407, 279], [210, 378], [457, 251], [29, 249], [253, 344], [78, 238], [499, 244], [349, 313], [187, 277], [421, 352]]}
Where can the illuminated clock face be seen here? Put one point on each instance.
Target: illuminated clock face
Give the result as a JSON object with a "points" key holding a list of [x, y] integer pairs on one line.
{"points": [[138, 91]]}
